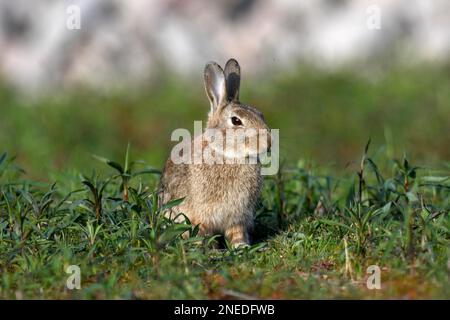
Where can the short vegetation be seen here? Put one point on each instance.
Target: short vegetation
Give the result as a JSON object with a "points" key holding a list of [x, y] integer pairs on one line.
{"points": [[318, 227]]}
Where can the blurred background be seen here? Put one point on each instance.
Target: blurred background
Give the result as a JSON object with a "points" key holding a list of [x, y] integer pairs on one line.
{"points": [[90, 76]]}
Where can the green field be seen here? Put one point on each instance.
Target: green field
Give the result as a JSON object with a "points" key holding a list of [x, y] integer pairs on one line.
{"points": [[335, 208]]}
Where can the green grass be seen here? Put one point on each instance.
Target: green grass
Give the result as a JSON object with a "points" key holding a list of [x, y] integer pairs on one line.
{"points": [[321, 222], [387, 213]]}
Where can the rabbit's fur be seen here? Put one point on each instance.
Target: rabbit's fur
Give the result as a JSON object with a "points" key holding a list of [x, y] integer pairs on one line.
{"points": [[221, 198]]}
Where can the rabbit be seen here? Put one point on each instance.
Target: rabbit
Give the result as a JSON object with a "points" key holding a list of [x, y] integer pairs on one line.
{"points": [[220, 198]]}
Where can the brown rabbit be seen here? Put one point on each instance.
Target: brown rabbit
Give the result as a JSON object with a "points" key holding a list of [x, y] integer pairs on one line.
{"points": [[221, 198]]}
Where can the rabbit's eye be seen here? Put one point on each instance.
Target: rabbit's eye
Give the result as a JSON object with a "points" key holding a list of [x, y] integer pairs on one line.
{"points": [[236, 121]]}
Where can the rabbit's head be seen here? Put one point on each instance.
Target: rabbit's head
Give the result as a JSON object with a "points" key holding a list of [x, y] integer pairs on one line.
{"points": [[227, 114]]}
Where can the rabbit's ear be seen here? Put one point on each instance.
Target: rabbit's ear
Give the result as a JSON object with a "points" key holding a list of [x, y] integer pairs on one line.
{"points": [[215, 85], [232, 79]]}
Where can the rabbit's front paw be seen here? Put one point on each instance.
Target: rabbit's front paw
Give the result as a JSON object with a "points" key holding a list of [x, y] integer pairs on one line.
{"points": [[240, 245], [237, 235]]}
